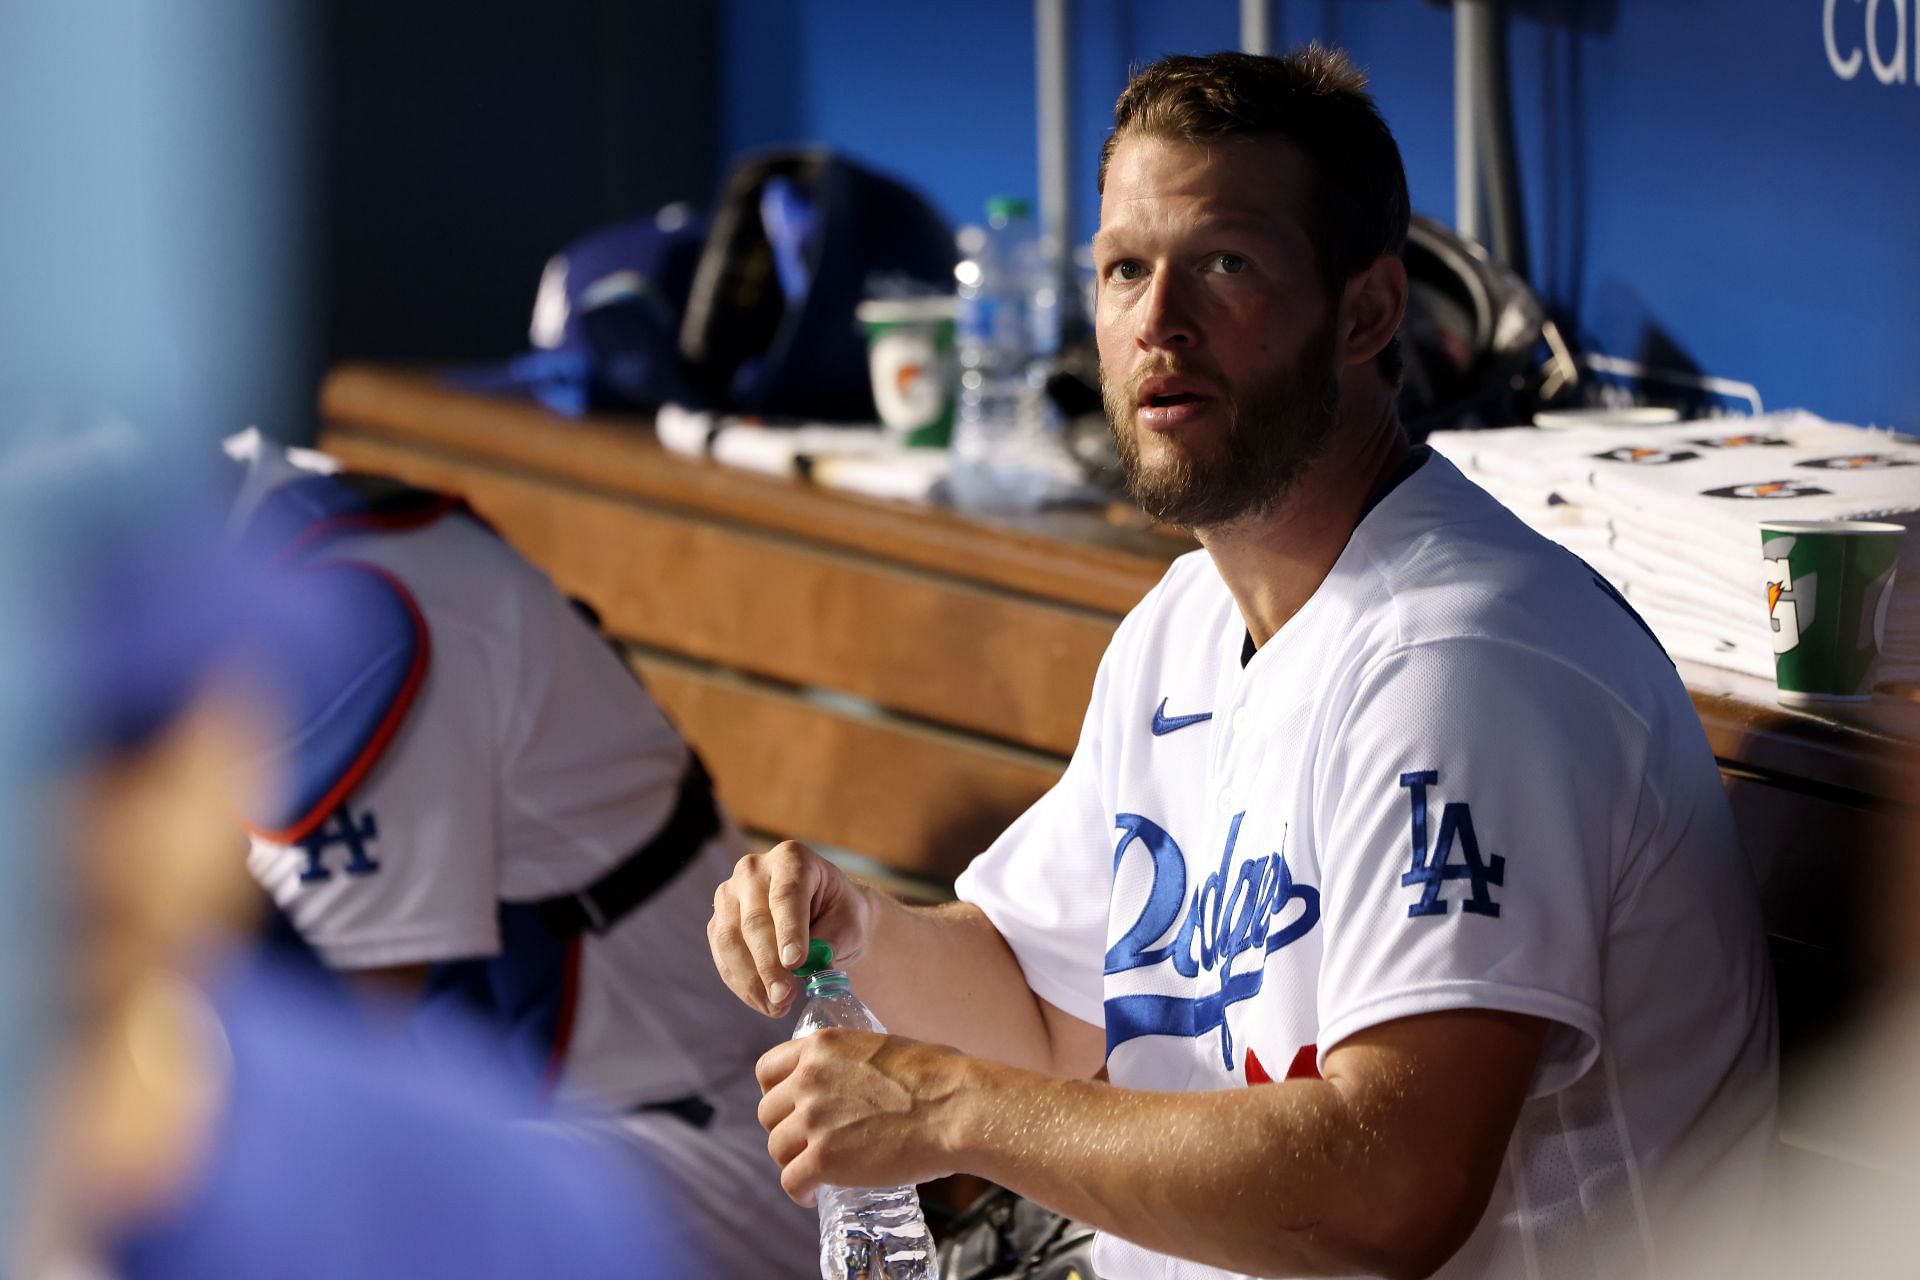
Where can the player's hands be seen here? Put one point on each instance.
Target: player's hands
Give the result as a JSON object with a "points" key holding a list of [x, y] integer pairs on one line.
{"points": [[855, 1109], [768, 909]]}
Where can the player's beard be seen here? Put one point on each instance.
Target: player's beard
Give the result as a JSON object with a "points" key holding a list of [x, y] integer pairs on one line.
{"points": [[1276, 428]]}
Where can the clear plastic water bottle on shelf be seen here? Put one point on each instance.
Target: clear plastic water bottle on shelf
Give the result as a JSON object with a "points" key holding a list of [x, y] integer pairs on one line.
{"points": [[1005, 453], [866, 1233]]}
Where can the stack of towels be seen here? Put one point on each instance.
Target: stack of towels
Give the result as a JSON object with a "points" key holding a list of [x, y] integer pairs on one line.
{"points": [[1671, 516]]}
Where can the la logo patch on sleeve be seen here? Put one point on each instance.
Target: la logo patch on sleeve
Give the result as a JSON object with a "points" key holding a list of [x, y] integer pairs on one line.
{"points": [[1432, 871], [342, 828]]}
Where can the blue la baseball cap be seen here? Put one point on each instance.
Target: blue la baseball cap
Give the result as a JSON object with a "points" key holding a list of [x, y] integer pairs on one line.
{"points": [[606, 320]]}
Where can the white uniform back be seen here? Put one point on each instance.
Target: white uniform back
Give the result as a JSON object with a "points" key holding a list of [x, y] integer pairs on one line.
{"points": [[531, 763], [1462, 776]]}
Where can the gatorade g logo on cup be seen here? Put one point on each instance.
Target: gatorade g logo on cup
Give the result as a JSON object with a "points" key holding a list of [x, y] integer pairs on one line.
{"points": [[907, 379], [1785, 596], [1829, 584], [910, 355]]}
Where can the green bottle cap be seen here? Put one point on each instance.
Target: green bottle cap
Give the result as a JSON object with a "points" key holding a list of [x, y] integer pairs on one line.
{"points": [[819, 956]]}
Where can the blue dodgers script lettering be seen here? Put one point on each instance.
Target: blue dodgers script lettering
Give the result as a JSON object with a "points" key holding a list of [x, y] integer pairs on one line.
{"points": [[1217, 923], [1432, 872]]}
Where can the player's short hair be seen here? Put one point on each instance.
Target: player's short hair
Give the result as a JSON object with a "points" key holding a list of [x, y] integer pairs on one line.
{"points": [[1315, 98]]}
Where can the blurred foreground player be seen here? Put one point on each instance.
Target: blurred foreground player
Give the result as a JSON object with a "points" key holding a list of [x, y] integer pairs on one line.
{"points": [[490, 815], [1391, 881], [209, 1111]]}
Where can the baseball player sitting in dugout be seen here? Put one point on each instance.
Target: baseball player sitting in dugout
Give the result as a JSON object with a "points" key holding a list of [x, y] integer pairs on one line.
{"points": [[490, 816], [1391, 880]]}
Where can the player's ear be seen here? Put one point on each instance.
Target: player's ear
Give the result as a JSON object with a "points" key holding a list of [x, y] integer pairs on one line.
{"points": [[1371, 308]]}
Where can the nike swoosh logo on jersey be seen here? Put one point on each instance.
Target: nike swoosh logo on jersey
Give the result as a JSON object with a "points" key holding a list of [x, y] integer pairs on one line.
{"points": [[1164, 723]]}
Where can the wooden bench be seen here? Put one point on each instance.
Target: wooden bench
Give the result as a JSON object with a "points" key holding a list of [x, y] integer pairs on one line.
{"points": [[890, 681], [897, 683]]}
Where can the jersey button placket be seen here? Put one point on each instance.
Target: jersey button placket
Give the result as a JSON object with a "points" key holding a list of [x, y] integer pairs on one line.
{"points": [[1229, 717], [1230, 720]]}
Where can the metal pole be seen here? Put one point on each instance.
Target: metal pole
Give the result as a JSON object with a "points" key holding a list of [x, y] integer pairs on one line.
{"points": [[1256, 26], [1056, 187], [1469, 18], [1499, 171]]}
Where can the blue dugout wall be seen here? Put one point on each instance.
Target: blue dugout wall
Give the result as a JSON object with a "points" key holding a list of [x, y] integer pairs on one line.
{"points": [[1731, 185]]}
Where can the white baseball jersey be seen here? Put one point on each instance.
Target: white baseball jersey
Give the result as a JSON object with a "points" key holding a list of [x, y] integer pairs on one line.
{"points": [[1462, 776], [531, 763]]}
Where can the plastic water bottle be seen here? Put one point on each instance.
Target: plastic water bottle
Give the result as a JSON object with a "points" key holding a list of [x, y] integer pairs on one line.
{"points": [[1005, 456], [866, 1233]]}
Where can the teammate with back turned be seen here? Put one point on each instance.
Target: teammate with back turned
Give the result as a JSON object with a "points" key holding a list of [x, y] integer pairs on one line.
{"points": [[490, 821], [1383, 804]]}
